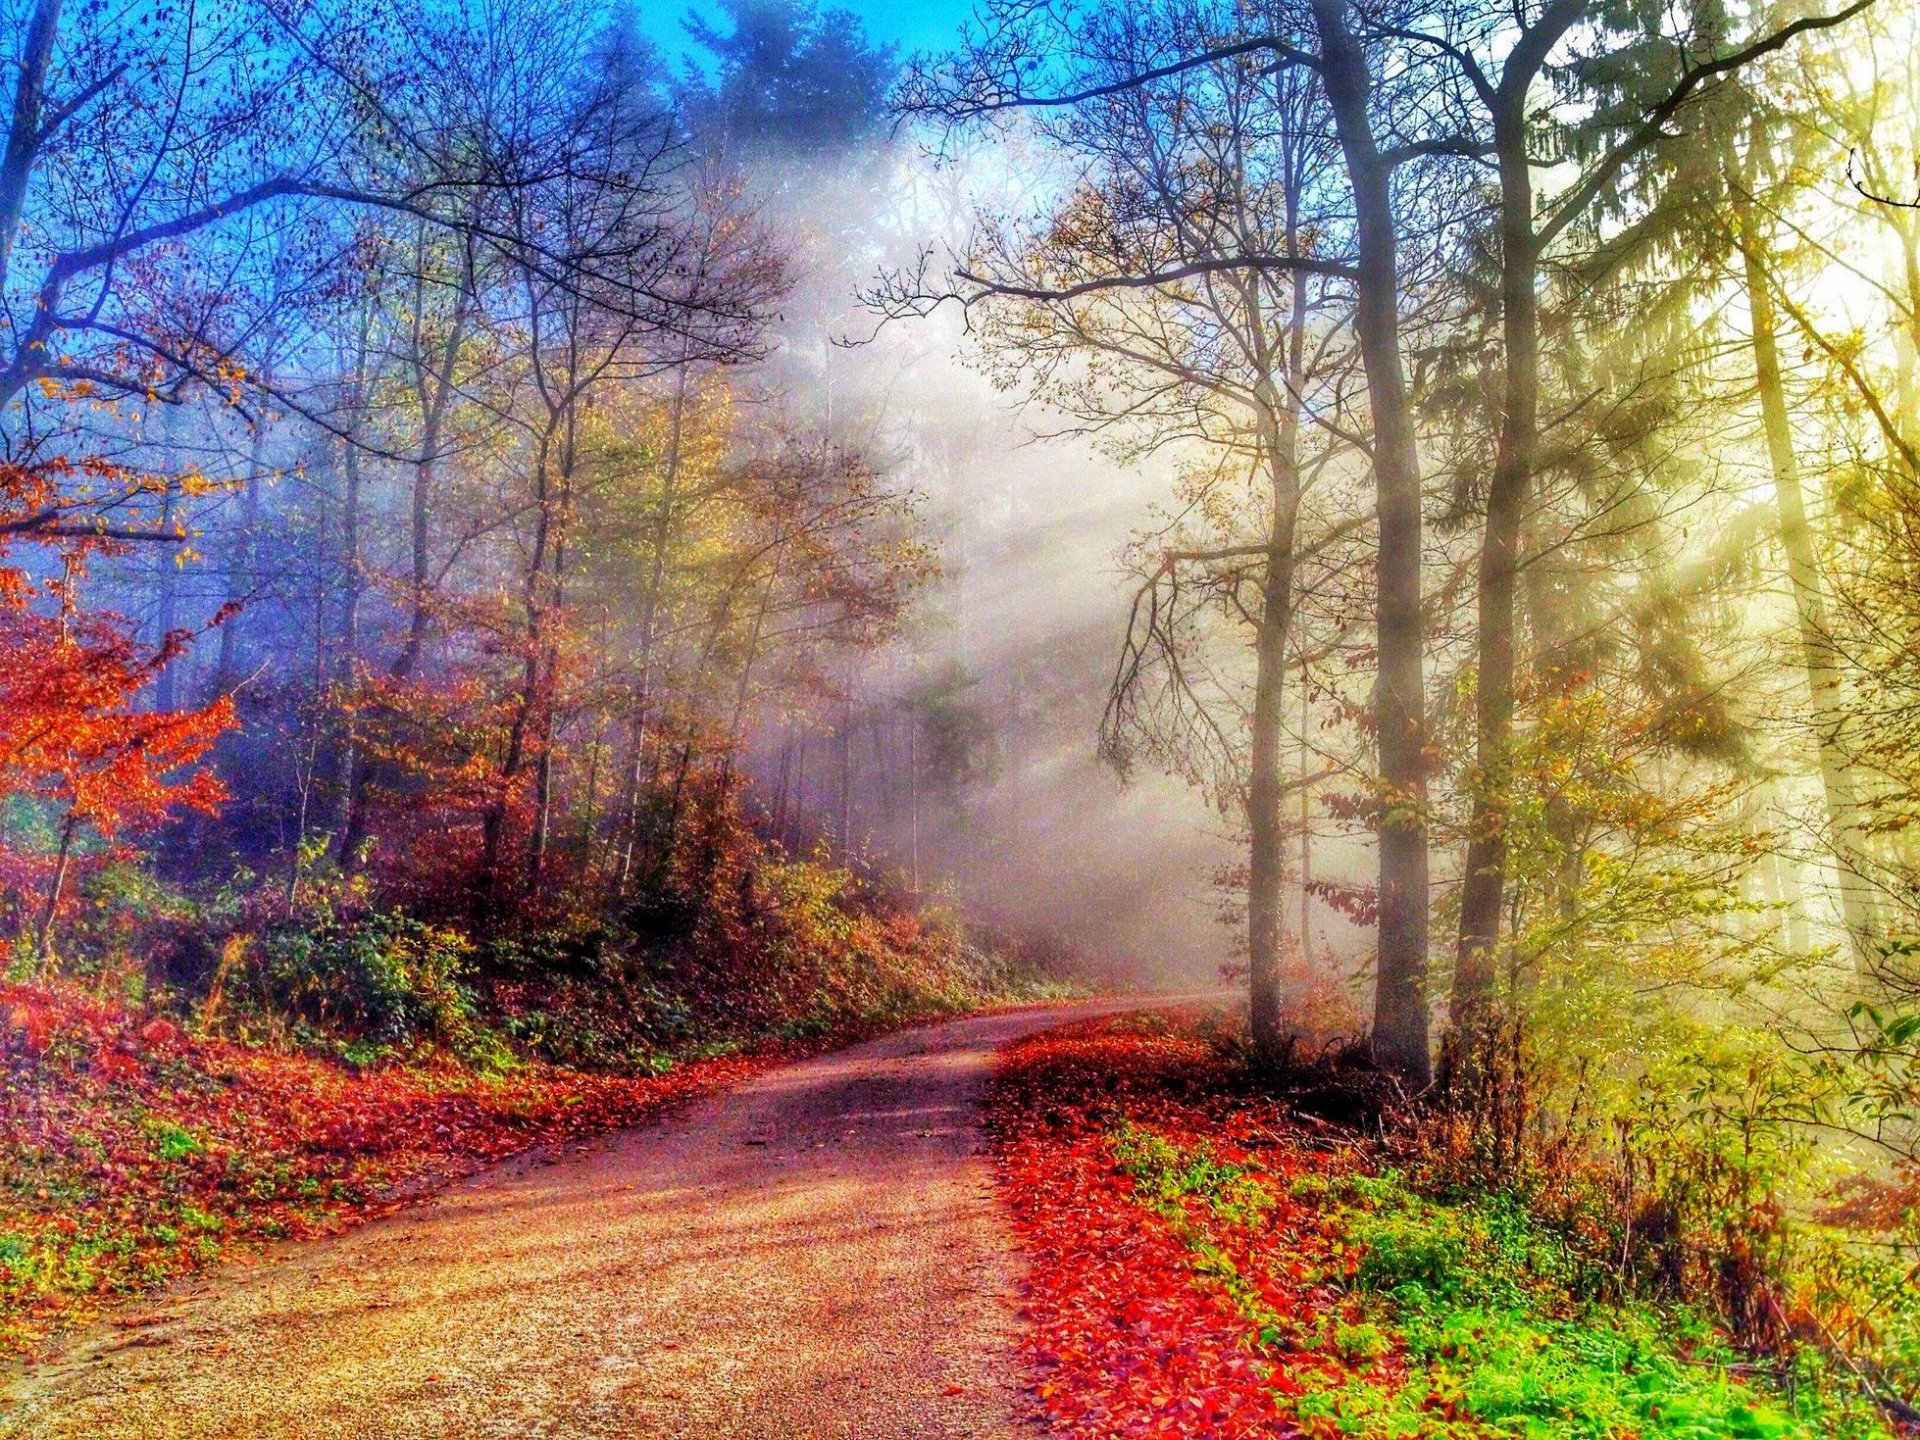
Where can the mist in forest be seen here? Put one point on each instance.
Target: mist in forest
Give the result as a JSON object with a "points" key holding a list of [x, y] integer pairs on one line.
{"points": [[547, 543], [599, 463], [970, 742], [347, 547]]}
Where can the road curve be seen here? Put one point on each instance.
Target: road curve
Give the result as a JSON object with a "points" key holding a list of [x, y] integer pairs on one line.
{"points": [[815, 1254]]}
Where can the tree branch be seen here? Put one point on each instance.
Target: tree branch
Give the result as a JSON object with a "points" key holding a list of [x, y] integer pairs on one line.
{"points": [[957, 108], [1153, 279], [1651, 128]]}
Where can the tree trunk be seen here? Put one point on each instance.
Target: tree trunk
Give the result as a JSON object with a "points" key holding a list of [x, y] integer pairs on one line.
{"points": [[793, 798], [913, 802], [650, 599], [1267, 839], [743, 687], [166, 695], [521, 732], [844, 809], [43, 935], [240, 554], [436, 397], [167, 611], [1907, 224], [1306, 827], [350, 648], [1400, 1021], [296, 851], [1786, 874], [350, 823], [777, 812], [550, 683], [590, 813], [1266, 793], [1803, 576], [25, 134], [1483, 885]]}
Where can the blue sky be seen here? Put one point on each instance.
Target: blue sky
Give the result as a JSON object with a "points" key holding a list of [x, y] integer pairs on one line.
{"points": [[910, 24]]}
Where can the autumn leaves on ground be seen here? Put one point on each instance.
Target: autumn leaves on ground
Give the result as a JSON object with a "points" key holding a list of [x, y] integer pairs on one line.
{"points": [[134, 1153], [139, 1142], [1205, 1252], [1210, 1257]]}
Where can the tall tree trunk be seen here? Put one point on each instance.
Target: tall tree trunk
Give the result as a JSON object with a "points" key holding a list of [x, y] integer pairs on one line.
{"points": [[1400, 1020], [1786, 874], [844, 809], [1267, 837], [240, 554], [436, 398], [556, 595], [1907, 224], [913, 802], [650, 599], [521, 734], [1483, 897], [793, 800], [1483, 885], [1266, 792], [777, 814], [167, 611], [542, 800], [1306, 824], [743, 687], [166, 692], [1803, 577], [350, 825], [670, 839], [350, 645], [62, 862], [25, 133]]}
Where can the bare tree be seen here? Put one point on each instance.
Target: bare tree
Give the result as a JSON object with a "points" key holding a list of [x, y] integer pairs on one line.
{"points": [[999, 74]]}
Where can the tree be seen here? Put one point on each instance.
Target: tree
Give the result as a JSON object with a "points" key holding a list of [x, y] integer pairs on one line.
{"points": [[790, 83], [71, 737], [996, 76], [1184, 296], [1624, 62]]}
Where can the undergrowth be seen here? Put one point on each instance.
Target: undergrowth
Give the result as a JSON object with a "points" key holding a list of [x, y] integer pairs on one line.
{"points": [[1365, 1301], [1489, 1310], [1493, 1313]]}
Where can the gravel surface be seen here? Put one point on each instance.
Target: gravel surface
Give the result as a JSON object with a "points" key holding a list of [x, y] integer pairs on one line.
{"points": [[815, 1254]]}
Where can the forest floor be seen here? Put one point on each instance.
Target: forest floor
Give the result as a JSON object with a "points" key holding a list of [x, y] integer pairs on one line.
{"points": [[815, 1253], [1208, 1259], [1058, 1220], [133, 1152]]}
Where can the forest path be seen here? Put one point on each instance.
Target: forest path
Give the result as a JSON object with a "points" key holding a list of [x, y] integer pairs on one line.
{"points": [[814, 1254]]}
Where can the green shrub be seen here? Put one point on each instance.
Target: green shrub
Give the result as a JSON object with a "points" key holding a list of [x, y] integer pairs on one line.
{"points": [[1500, 1321], [382, 983]]}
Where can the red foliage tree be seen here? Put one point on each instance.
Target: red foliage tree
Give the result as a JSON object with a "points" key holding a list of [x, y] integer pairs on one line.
{"points": [[70, 735]]}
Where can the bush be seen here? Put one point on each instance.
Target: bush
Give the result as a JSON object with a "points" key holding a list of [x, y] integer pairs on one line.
{"points": [[1501, 1321], [385, 981]]}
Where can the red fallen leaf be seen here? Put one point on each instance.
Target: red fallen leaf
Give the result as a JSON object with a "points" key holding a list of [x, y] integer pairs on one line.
{"points": [[1131, 1342], [954, 1390], [259, 1144]]}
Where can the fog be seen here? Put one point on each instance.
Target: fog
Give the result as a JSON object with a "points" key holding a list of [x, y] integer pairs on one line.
{"points": [[1022, 627]]}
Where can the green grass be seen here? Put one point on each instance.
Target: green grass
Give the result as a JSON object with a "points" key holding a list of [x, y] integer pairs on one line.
{"points": [[1493, 1314], [171, 1141]]}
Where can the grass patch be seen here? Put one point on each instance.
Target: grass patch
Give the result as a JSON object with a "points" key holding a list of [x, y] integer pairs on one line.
{"points": [[1471, 1319], [1493, 1315]]}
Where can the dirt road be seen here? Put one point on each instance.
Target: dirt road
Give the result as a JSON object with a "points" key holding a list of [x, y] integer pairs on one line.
{"points": [[814, 1255]]}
